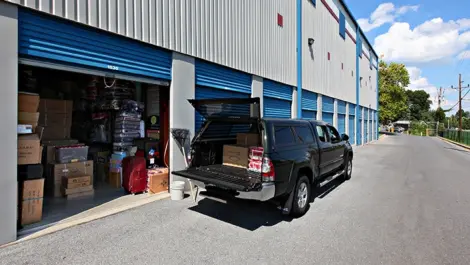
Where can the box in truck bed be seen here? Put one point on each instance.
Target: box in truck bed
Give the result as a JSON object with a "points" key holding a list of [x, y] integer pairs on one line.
{"points": [[235, 156]]}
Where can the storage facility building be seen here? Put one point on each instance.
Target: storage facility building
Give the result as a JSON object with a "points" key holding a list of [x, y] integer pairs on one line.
{"points": [[304, 59]]}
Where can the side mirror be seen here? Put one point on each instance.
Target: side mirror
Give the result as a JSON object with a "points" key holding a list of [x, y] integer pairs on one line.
{"points": [[344, 137]]}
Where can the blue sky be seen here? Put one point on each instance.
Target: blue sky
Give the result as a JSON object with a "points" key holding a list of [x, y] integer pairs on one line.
{"points": [[432, 38]]}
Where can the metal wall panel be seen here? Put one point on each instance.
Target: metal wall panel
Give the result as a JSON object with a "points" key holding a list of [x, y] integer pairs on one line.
{"points": [[240, 34], [334, 77], [41, 36], [368, 84]]}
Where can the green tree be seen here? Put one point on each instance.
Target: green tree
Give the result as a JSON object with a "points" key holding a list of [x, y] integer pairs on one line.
{"points": [[418, 104], [439, 115], [393, 78]]}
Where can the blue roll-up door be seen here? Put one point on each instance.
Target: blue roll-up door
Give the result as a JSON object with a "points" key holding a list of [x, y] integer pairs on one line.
{"points": [[359, 126], [309, 104], [49, 39], [216, 81], [328, 117], [328, 109], [352, 125], [366, 125], [351, 133], [341, 116], [341, 123], [277, 100]]}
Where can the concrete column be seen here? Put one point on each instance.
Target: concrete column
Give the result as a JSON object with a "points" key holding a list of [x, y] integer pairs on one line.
{"points": [[257, 91], [9, 110], [181, 112], [295, 103], [335, 113], [319, 107]]}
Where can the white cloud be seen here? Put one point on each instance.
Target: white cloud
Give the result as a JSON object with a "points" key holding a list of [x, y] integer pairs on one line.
{"points": [[384, 14], [433, 40], [418, 82]]}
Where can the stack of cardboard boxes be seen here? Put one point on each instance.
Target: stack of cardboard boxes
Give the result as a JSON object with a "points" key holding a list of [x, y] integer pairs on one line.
{"points": [[56, 118], [239, 155], [71, 174], [30, 170]]}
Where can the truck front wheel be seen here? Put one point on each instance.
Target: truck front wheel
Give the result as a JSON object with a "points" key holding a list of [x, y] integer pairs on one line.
{"points": [[302, 195], [348, 168]]}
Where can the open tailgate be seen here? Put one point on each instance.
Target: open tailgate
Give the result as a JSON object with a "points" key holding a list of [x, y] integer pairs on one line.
{"points": [[228, 177]]}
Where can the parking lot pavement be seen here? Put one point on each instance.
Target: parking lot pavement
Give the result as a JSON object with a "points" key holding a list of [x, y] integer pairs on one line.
{"points": [[407, 203]]}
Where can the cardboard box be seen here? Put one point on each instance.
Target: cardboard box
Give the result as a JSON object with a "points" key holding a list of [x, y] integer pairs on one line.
{"points": [[31, 211], [158, 180], [31, 118], [28, 102], [56, 133], [248, 139], [32, 189], [29, 149], [114, 179], [55, 106], [76, 182], [56, 172], [80, 195], [55, 119], [236, 156], [77, 190]]}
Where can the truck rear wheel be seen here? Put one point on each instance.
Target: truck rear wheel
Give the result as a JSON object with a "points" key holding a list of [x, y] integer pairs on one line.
{"points": [[348, 168], [302, 195]]}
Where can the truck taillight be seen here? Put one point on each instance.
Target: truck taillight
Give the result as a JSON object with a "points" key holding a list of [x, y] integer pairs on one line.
{"points": [[267, 170]]}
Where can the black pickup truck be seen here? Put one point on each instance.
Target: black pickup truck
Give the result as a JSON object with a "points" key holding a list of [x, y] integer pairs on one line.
{"points": [[297, 154]]}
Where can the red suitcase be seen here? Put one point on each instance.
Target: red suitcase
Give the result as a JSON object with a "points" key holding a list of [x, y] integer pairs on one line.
{"points": [[134, 174]]}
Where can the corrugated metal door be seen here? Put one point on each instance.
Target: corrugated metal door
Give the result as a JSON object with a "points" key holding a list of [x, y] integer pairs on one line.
{"points": [[45, 38], [328, 109], [366, 125], [309, 105], [215, 81], [359, 127], [351, 134], [277, 100], [371, 125], [341, 116]]}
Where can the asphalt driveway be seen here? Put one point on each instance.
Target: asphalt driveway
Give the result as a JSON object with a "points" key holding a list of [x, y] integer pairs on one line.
{"points": [[408, 202]]}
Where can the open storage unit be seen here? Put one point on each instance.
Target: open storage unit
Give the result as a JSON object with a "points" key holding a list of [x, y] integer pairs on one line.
{"points": [[90, 102]]}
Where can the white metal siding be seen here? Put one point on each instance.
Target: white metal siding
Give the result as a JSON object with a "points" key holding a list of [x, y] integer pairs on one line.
{"points": [[368, 84], [240, 34], [319, 74]]}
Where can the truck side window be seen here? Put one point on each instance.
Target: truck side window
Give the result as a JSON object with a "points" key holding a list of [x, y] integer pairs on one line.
{"points": [[334, 135], [322, 134], [304, 134], [283, 135]]}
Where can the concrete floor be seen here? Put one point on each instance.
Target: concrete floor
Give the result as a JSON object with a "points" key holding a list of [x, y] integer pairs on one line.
{"points": [[407, 203]]}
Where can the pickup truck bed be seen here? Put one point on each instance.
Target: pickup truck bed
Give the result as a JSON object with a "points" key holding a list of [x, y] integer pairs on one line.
{"points": [[228, 177]]}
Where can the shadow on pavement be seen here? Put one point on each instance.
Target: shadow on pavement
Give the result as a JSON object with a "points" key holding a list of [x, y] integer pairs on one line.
{"points": [[249, 215], [252, 215]]}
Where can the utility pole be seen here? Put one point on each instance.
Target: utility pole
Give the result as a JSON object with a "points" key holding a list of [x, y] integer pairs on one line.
{"points": [[460, 108]]}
